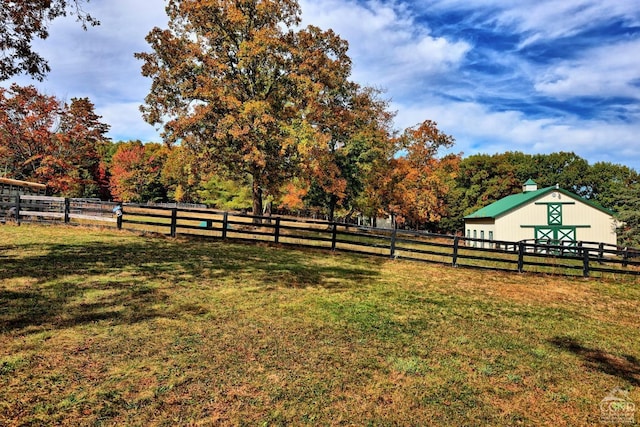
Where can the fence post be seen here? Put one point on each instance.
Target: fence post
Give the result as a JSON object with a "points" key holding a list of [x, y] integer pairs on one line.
{"points": [[394, 235], [119, 221], [277, 231], [225, 224], [580, 249], [520, 257], [67, 209], [585, 261], [456, 243], [601, 251], [18, 209], [334, 236], [625, 257], [174, 221]]}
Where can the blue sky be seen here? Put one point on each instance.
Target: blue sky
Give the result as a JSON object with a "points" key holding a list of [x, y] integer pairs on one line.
{"points": [[498, 75]]}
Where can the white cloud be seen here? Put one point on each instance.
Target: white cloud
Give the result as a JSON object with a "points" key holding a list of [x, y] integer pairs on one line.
{"points": [[604, 71], [543, 19], [388, 49], [125, 121], [477, 129]]}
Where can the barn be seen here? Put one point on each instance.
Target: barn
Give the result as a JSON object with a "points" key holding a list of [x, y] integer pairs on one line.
{"points": [[549, 215]]}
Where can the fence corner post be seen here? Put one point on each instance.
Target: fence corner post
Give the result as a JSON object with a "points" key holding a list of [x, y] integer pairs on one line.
{"points": [[456, 245], [277, 231]]}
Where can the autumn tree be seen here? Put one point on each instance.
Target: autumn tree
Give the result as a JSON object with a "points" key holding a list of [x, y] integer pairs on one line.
{"points": [[27, 121], [81, 139], [353, 126], [47, 141], [136, 171], [234, 82], [181, 175], [23, 21], [413, 186]]}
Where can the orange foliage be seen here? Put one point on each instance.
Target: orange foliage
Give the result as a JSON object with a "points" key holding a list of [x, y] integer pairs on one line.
{"points": [[413, 186], [293, 196]]}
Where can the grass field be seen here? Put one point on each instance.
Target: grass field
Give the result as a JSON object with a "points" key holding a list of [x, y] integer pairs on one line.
{"points": [[113, 328]]}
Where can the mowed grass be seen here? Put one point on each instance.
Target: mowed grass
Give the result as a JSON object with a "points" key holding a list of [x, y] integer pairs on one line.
{"points": [[101, 327]]}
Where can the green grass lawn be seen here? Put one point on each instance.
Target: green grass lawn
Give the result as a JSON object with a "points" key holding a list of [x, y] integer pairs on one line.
{"points": [[113, 328]]}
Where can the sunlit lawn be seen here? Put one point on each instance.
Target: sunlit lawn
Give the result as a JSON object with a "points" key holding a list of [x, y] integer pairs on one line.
{"points": [[112, 328]]}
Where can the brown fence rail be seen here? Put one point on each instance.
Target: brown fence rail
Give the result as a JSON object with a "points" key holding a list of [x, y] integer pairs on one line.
{"points": [[584, 259]]}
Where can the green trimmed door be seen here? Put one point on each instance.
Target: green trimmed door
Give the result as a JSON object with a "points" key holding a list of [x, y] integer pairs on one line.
{"points": [[554, 235], [568, 233]]}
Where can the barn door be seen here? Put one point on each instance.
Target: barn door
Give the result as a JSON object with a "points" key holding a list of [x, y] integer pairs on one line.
{"points": [[544, 235], [567, 237], [565, 234], [556, 236]]}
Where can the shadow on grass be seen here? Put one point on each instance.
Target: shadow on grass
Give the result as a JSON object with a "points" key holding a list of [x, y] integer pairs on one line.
{"points": [[116, 276], [46, 308], [626, 367]]}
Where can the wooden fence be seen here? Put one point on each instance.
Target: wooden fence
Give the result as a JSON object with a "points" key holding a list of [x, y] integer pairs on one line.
{"points": [[585, 259]]}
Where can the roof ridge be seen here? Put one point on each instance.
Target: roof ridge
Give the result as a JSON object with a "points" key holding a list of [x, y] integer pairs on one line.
{"points": [[513, 201]]}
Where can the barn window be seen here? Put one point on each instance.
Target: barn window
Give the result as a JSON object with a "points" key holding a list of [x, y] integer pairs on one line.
{"points": [[554, 214]]}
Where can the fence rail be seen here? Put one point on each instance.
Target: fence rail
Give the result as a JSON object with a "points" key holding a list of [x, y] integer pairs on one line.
{"points": [[585, 259]]}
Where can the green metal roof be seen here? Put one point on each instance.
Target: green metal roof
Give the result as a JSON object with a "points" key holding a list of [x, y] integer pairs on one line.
{"points": [[509, 203], [530, 182]]}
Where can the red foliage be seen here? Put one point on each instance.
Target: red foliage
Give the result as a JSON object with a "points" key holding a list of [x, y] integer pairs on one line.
{"points": [[44, 140]]}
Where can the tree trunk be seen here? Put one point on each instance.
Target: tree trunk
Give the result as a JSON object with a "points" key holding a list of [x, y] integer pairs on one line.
{"points": [[257, 201], [332, 207]]}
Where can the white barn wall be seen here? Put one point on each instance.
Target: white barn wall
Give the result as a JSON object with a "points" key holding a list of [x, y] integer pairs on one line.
{"points": [[485, 225]]}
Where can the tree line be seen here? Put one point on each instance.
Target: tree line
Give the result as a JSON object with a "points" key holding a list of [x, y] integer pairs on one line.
{"points": [[256, 111], [64, 146]]}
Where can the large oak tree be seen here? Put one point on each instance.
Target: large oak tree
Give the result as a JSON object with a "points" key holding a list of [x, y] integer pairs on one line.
{"points": [[235, 82]]}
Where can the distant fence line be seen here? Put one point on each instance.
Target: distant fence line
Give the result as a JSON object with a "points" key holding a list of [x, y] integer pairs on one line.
{"points": [[563, 258]]}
